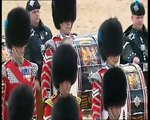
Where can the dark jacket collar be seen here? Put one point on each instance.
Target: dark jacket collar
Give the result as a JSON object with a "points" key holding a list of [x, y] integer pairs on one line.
{"points": [[40, 27]]}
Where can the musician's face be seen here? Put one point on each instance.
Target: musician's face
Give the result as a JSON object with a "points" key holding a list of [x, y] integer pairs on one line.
{"points": [[65, 87], [114, 113], [113, 60], [66, 27], [19, 51], [34, 17], [137, 21]]}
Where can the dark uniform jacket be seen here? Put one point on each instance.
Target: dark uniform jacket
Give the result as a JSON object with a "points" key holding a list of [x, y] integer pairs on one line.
{"points": [[35, 48], [135, 44]]}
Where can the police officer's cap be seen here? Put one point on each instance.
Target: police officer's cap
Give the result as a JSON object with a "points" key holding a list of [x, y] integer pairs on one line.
{"points": [[32, 5], [137, 8]]}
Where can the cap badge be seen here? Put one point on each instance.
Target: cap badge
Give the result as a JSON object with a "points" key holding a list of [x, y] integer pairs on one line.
{"points": [[31, 3], [136, 8]]}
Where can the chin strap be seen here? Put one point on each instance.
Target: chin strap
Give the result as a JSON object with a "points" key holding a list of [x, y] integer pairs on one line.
{"points": [[17, 57], [111, 115]]}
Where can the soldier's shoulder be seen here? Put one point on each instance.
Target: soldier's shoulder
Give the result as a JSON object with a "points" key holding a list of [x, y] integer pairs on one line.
{"points": [[95, 76], [4, 68], [128, 30], [50, 44], [50, 101]]}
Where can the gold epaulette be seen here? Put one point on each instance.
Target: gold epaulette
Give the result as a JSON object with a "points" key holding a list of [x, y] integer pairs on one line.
{"points": [[50, 100], [78, 100]]}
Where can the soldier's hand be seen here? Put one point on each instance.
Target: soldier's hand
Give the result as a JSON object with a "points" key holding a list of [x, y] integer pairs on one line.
{"points": [[136, 60]]}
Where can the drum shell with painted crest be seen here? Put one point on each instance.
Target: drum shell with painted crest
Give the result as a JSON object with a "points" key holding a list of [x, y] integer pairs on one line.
{"points": [[136, 107], [88, 61]]}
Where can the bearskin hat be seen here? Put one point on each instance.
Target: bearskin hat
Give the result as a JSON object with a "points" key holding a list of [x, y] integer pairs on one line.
{"points": [[110, 38], [137, 8], [17, 30], [21, 103], [63, 10], [64, 65], [66, 108], [114, 88]]}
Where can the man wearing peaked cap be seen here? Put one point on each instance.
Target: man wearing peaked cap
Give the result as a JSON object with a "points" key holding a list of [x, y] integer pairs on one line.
{"points": [[136, 39], [39, 35], [137, 8], [64, 15], [66, 108], [110, 46], [64, 72], [17, 70], [114, 92], [21, 103], [32, 5]]}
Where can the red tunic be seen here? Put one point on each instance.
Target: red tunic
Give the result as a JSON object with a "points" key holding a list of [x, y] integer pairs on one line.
{"points": [[14, 75], [46, 76], [49, 105], [97, 100]]}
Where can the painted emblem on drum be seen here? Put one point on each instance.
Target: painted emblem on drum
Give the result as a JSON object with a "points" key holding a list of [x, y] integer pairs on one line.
{"points": [[88, 55], [134, 81], [137, 101]]}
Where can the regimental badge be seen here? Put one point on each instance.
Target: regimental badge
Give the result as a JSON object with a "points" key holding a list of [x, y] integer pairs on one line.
{"points": [[26, 73], [42, 37], [142, 47], [31, 3], [145, 67], [131, 36], [137, 101], [136, 8], [32, 32], [46, 33]]}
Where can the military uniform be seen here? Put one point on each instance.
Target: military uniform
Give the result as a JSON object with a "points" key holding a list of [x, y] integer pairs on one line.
{"points": [[39, 36], [114, 93], [64, 61], [15, 71], [110, 42], [61, 11], [46, 76], [14, 74], [136, 44], [97, 99], [49, 103], [136, 41]]}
